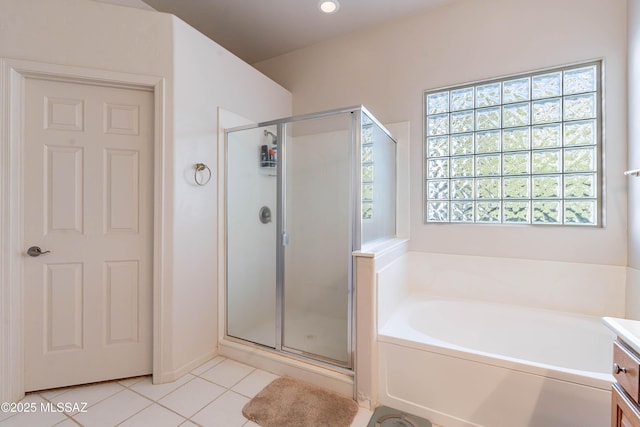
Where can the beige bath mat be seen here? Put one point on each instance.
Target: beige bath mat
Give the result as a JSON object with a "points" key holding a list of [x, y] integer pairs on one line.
{"points": [[291, 403]]}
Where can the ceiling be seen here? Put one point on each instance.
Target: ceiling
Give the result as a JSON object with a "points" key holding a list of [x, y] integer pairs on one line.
{"points": [[256, 30]]}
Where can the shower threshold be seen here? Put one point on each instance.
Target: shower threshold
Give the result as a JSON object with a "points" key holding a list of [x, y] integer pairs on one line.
{"points": [[304, 357], [322, 374]]}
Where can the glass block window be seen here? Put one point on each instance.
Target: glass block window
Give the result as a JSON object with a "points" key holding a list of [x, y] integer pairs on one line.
{"points": [[517, 150], [367, 167]]}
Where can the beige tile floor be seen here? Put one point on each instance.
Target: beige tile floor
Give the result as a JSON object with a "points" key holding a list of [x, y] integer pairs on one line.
{"points": [[210, 395]]}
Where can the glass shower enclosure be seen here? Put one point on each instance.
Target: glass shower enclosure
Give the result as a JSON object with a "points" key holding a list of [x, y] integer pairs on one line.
{"points": [[302, 194]]}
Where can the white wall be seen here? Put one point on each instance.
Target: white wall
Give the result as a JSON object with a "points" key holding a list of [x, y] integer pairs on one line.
{"points": [[87, 34], [206, 77], [200, 76], [388, 67]]}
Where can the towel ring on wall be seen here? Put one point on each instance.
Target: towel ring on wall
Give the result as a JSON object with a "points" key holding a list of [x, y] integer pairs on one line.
{"points": [[197, 176]]}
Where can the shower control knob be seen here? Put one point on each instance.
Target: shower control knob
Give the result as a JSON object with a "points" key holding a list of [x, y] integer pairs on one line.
{"points": [[617, 369], [265, 215]]}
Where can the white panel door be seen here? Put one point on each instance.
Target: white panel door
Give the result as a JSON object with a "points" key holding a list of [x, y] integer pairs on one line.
{"points": [[88, 199]]}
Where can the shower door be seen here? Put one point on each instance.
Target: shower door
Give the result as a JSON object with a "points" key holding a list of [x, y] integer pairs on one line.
{"points": [[318, 226], [292, 219], [251, 235]]}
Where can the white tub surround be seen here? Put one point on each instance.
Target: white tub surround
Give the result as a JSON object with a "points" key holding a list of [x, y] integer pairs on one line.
{"points": [[368, 262], [466, 363], [452, 390], [594, 289], [477, 341]]}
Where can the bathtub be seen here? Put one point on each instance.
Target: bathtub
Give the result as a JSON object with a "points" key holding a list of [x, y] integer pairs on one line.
{"points": [[469, 363]]}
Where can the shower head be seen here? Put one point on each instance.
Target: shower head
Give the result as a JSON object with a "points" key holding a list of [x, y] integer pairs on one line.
{"points": [[274, 138]]}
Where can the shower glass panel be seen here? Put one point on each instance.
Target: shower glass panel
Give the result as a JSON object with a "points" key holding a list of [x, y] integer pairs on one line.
{"points": [[318, 222], [378, 181], [302, 194], [251, 235]]}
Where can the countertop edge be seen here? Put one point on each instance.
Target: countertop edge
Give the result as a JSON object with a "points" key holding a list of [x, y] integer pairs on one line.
{"points": [[628, 330]]}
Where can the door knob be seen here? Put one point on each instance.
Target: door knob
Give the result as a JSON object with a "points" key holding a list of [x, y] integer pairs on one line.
{"points": [[35, 251]]}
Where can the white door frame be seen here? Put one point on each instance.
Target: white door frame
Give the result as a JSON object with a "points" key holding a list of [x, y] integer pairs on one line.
{"points": [[13, 73]]}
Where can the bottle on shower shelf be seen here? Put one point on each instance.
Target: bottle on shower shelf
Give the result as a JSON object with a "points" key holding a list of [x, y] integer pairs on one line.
{"points": [[272, 156]]}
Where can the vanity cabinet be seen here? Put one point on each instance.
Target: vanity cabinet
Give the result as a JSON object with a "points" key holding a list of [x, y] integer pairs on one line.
{"points": [[624, 412], [625, 393]]}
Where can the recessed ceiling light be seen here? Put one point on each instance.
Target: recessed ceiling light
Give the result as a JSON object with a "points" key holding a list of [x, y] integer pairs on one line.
{"points": [[329, 6]]}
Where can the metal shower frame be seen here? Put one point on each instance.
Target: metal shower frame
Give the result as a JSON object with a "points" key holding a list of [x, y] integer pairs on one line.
{"points": [[355, 230]]}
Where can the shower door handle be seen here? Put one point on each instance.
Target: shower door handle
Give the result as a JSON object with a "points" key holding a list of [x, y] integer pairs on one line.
{"points": [[285, 239]]}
